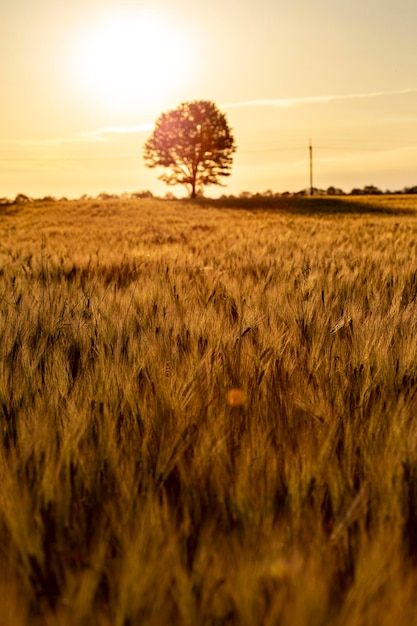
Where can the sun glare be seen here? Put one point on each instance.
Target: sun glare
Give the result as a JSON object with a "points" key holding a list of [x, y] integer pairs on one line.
{"points": [[127, 59]]}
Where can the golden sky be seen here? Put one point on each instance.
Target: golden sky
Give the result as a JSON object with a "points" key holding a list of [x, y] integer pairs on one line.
{"points": [[82, 82]]}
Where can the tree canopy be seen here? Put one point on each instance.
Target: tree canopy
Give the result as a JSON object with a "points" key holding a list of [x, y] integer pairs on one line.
{"points": [[194, 142]]}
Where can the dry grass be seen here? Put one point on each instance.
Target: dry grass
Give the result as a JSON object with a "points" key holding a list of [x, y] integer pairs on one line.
{"points": [[207, 415]]}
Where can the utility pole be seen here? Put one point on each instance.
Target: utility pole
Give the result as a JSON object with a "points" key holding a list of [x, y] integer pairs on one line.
{"points": [[311, 168]]}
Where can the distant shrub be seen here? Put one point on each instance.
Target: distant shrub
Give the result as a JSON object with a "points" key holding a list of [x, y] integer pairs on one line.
{"points": [[107, 196], [142, 194], [21, 198]]}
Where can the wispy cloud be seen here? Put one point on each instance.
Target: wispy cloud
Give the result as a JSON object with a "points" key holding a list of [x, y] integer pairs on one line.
{"points": [[91, 136], [39, 143], [120, 130], [293, 102]]}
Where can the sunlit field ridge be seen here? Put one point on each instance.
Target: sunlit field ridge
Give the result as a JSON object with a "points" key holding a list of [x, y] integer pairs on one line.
{"points": [[207, 412]]}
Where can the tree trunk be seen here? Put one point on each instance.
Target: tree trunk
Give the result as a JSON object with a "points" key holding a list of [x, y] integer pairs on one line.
{"points": [[193, 192]]}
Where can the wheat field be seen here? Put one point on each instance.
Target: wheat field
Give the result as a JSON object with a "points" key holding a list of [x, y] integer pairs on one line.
{"points": [[208, 412]]}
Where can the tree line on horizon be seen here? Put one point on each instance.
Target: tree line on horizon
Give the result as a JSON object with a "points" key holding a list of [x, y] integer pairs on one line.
{"points": [[367, 190]]}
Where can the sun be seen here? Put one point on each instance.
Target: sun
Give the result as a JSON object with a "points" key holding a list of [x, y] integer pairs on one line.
{"points": [[128, 59]]}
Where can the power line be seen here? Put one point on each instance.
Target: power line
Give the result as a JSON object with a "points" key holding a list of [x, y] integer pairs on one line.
{"points": [[259, 150], [302, 148], [352, 148]]}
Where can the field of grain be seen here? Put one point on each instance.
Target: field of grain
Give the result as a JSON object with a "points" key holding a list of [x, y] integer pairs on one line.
{"points": [[208, 413]]}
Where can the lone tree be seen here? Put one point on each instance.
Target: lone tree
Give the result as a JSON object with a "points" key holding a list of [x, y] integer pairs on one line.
{"points": [[195, 142]]}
